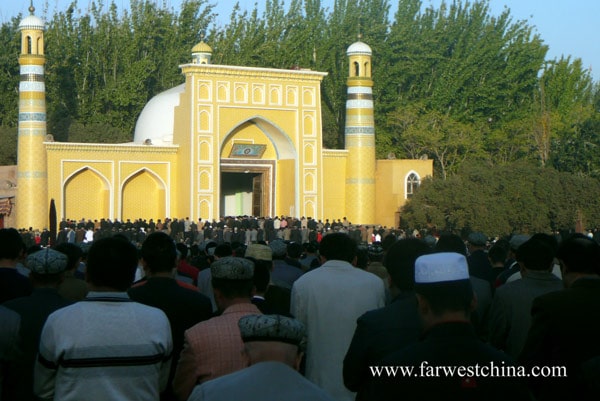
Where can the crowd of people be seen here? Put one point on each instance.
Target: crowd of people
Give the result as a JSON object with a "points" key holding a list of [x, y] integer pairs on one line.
{"points": [[192, 312], [232, 229]]}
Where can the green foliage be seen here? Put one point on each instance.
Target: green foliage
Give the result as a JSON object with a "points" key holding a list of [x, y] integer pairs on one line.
{"points": [[465, 67], [500, 200], [103, 67], [99, 132], [10, 41], [8, 150]]}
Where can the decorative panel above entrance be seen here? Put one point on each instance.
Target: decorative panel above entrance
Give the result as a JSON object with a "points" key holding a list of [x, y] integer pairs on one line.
{"points": [[247, 150]]}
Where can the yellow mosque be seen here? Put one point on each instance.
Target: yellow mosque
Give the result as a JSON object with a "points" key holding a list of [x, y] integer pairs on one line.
{"points": [[230, 141]]}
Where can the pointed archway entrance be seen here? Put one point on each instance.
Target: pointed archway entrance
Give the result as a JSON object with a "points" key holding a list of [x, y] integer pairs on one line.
{"points": [[247, 187]]}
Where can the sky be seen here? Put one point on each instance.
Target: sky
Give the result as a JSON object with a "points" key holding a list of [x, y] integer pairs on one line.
{"points": [[568, 27]]}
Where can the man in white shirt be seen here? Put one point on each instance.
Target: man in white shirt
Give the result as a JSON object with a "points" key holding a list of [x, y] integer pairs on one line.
{"points": [[328, 300]]}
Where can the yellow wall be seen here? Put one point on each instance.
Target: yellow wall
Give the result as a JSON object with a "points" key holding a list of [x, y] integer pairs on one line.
{"points": [[390, 179], [184, 168], [334, 184], [285, 188], [276, 108], [115, 181]]}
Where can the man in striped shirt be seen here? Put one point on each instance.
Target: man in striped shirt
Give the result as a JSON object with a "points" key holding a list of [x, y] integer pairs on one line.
{"points": [[105, 347]]}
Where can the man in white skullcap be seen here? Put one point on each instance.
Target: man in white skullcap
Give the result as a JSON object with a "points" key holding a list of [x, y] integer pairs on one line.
{"points": [[449, 362], [273, 348]]}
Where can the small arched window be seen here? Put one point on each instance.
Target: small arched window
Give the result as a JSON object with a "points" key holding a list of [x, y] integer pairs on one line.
{"points": [[356, 69], [412, 184], [29, 45]]}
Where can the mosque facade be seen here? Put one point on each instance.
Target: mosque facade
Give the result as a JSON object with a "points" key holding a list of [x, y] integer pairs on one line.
{"points": [[230, 141]]}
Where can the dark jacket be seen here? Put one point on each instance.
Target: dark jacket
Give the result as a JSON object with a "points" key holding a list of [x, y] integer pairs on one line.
{"points": [[450, 345], [565, 331], [379, 333], [183, 307]]}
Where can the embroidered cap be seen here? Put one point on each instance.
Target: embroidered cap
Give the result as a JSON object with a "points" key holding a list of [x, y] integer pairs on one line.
{"points": [[271, 328], [477, 239], [47, 261], [441, 267], [517, 240], [232, 268], [278, 247], [259, 252]]}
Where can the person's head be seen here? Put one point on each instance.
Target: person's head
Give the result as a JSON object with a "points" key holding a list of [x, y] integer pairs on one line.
{"points": [[223, 250], [499, 252], [208, 247], [259, 252], [579, 256], [279, 249], [362, 257], [338, 246], [183, 250], [262, 274], [232, 279], [311, 248], [476, 240], [294, 250], [516, 241], [11, 244], [535, 255], [159, 252], [74, 254], [450, 243], [375, 251], [47, 267], [443, 288], [238, 248], [111, 264], [400, 262], [387, 242], [272, 338], [547, 239]]}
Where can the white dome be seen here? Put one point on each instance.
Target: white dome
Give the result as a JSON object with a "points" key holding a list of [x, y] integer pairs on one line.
{"points": [[158, 117], [31, 22], [359, 48]]}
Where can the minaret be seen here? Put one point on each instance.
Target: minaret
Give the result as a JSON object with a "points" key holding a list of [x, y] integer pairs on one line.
{"points": [[32, 175], [360, 137]]}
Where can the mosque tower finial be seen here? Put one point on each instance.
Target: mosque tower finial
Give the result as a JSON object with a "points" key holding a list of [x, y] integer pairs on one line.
{"points": [[31, 8], [201, 53]]}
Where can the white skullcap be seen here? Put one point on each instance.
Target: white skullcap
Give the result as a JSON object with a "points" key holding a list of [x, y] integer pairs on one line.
{"points": [[441, 267]]}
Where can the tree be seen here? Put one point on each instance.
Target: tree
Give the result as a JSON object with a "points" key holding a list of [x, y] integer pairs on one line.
{"points": [[565, 106], [427, 132], [500, 200], [9, 72], [458, 61], [8, 150]]}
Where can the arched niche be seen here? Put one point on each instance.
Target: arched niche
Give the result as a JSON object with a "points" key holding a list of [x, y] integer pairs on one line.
{"points": [[86, 194], [143, 195]]}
